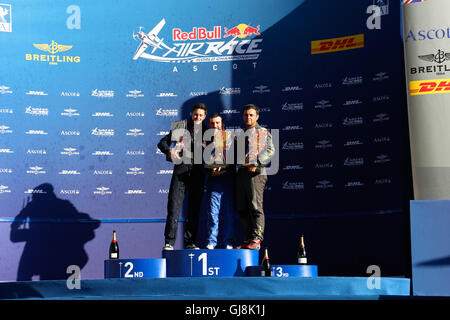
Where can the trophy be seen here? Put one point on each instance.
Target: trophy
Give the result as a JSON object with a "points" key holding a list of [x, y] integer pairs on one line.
{"points": [[222, 142], [181, 142], [256, 145]]}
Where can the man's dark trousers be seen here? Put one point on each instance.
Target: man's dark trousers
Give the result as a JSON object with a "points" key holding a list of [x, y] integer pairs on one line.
{"points": [[249, 201], [191, 182]]}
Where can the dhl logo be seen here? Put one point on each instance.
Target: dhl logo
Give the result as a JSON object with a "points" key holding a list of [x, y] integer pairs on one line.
{"points": [[337, 44], [429, 86]]}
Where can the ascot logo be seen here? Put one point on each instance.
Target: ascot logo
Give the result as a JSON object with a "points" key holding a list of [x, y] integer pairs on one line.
{"points": [[6, 151], [196, 45], [69, 191], [135, 152], [6, 170], [102, 172], [293, 167], [37, 151], [52, 48], [6, 110], [69, 133], [198, 93], [381, 139], [135, 114], [439, 33], [70, 94], [162, 133]]}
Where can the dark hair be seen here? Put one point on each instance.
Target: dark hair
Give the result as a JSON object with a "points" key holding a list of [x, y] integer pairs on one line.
{"points": [[200, 106], [215, 115], [251, 106]]}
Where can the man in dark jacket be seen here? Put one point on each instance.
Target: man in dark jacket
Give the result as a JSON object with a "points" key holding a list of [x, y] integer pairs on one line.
{"points": [[188, 175]]}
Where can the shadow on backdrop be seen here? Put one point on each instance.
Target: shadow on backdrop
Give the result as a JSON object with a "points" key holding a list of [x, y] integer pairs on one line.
{"points": [[54, 233]]}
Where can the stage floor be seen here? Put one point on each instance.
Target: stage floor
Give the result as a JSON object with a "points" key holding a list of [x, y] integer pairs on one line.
{"points": [[227, 288]]}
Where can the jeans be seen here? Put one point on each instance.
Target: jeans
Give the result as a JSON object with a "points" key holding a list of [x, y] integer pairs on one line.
{"points": [[220, 201]]}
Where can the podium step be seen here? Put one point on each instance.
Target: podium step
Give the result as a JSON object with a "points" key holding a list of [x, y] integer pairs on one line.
{"points": [[209, 263]]}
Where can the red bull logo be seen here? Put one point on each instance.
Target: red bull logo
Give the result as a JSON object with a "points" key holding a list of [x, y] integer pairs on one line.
{"points": [[241, 31]]}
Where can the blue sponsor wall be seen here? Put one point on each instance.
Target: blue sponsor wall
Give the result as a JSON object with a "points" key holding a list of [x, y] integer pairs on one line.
{"points": [[80, 120]]}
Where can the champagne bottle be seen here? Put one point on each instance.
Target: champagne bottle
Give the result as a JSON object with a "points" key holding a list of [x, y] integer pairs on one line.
{"points": [[114, 247], [266, 270], [302, 252]]}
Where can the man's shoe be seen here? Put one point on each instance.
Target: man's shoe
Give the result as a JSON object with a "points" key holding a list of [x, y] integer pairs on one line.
{"points": [[243, 245], [191, 247], [209, 246], [228, 246], [255, 244], [168, 247]]}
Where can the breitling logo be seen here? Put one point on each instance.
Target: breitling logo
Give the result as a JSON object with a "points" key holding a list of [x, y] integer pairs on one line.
{"points": [[53, 48]]}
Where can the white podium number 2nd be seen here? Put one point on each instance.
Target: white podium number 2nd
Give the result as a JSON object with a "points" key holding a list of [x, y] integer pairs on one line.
{"points": [[136, 274]]}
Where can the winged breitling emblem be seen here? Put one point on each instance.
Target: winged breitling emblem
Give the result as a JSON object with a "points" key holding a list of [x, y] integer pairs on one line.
{"points": [[439, 57], [53, 47]]}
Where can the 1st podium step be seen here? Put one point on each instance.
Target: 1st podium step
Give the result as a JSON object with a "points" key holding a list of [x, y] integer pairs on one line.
{"points": [[135, 268]]}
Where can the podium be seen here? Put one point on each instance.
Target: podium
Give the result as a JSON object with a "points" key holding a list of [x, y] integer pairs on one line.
{"points": [[202, 263], [209, 263], [135, 268]]}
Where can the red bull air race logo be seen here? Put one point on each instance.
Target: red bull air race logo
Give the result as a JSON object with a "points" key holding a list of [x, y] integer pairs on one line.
{"points": [[200, 44]]}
